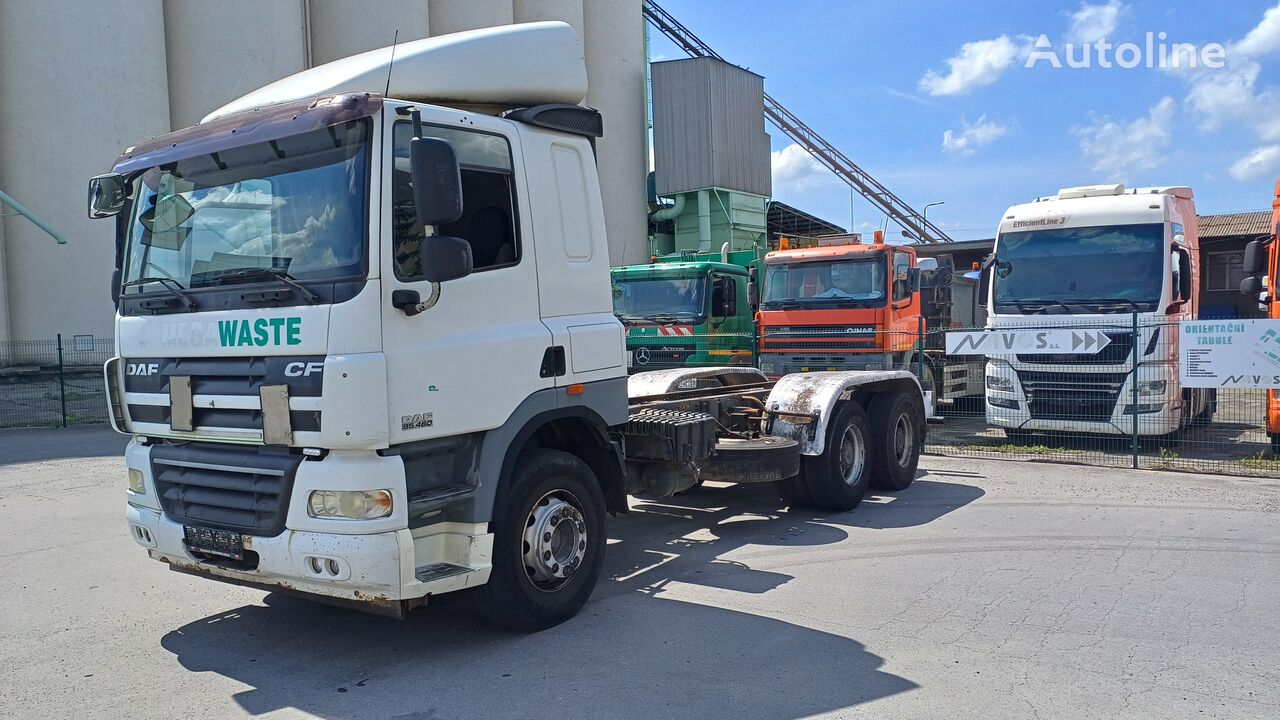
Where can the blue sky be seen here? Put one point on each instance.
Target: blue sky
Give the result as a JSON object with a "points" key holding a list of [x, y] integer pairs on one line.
{"points": [[935, 101]]}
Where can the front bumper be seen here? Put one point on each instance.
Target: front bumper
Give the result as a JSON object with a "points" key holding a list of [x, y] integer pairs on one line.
{"points": [[388, 569], [1158, 414]]}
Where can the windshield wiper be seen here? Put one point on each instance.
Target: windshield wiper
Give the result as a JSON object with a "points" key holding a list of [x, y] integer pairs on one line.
{"points": [[1105, 301], [281, 275], [669, 317], [1041, 303], [174, 287], [786, 304]]}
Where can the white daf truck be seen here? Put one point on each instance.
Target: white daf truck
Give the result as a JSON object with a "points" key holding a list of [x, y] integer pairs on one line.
{"points": [[367, 350], [1123, 262]]}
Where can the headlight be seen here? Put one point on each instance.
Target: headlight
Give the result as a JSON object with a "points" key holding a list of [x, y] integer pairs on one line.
{"points": [[349, 504], [1003, 384], [136, 484], [1151, 387], [768, 368]]}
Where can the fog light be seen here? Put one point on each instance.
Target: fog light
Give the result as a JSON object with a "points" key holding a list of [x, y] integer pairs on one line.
{"points": [[1003, 403], [349, 504], [136, 484], [1003, 384], [1143, 408], [1151, 387]]}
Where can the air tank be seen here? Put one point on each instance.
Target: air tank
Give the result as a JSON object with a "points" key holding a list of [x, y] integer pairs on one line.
{"points": [[216, 55], [87, 78], [450, 16], [341, 28], [614, 40]]}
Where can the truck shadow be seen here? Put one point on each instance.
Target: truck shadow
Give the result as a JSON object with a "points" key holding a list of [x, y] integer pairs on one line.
{"points": [[631, 652]]}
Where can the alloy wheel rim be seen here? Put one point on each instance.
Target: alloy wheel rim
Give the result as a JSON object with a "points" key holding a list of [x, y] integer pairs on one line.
{"points": [[555, 540]]}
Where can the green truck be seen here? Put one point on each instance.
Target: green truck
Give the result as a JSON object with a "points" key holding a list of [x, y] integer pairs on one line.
{"points": [[687, 312]]}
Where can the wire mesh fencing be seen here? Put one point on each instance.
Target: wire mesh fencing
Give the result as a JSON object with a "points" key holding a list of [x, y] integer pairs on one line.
{"points": [[53, 383], [1106, 392]]}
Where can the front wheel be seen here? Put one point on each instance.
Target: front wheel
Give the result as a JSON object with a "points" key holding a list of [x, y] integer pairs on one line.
{"points": [[548, 542], [897, 422]]}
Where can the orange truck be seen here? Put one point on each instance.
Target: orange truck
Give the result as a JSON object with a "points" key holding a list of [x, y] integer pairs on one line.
{"points": [[844, 305], [1260, 266]]}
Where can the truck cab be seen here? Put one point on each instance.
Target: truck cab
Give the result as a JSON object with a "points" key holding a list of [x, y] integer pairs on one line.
{"points": [[684, 314], [840, 306], [1124, 262], [1261, 261]]}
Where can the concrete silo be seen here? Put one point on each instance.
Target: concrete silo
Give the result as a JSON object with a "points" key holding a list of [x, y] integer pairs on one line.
{"points": [[83, 79], [341, 28], [450, 16], [216, 55]]}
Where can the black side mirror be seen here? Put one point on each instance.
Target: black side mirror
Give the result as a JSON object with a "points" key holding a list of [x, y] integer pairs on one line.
{"points": [[1185, 291], [984, 279], [753, 290], [437, 181], [115, 287], [106, 195], [1255, 258], [913, 278], [445, 258], [1251, 286]]}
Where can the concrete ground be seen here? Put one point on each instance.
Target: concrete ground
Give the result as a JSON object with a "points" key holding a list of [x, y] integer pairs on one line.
{"points": [[989, 589]]}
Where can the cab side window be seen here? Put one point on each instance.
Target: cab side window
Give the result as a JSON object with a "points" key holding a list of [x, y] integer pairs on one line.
{"points": [[724, 296], [901, 276], [488, 221]]}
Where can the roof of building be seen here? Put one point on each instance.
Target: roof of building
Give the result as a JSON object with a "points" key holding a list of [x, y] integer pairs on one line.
{"points": [[789, 221], [1257, 222]]}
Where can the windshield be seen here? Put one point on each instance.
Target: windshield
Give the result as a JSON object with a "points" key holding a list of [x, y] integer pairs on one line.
{"points": [[1112, 263], [294, 205], [837, 283], [659, 299]]}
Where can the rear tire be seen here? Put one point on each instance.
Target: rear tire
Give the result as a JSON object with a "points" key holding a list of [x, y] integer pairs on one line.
{"points": [[754, 460], [548, 542], [897, 423], [837, 479]]}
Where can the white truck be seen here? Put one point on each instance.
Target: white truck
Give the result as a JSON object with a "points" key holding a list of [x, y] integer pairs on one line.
{"points": [[1123, 262], [366, 348]]}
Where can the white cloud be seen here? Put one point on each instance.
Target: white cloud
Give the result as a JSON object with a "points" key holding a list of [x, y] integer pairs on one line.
{"points": [[1262, 39], [1119, 149], [1262, 162], [794, 170], [967, 141], [1093, 22], [978, 63]]}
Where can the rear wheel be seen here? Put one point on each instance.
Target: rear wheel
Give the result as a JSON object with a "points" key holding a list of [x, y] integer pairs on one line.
{"points": [[837, 479], [897, 422], [548, 542]]}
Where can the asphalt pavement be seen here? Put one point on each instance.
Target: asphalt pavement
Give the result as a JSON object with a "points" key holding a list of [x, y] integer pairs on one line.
{"points": [[989, 589]]}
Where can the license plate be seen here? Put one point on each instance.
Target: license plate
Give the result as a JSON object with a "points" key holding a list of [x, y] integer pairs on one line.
{"points": [[215, 542]]}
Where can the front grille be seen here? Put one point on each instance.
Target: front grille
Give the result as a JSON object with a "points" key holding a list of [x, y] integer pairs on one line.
{"points": [[242, 489], [222, 379], [1115, 353], [820, 345], [1071, 396], [811, 330]]}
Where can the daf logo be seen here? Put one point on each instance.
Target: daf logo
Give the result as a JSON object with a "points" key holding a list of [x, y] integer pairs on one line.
{"points": [[300, 369], [642, 356], [143, 369]]}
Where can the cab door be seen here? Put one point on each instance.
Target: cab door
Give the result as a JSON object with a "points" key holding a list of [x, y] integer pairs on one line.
{"points": [[464, 363]]}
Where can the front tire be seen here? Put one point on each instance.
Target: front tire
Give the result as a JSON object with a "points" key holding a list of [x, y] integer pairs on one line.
{"points": [[837, 479], [898, 424], [548, 542]]}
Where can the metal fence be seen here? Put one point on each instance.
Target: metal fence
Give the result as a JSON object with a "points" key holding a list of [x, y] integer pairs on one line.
{"points": [[1114, 399], [53, 383]]}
